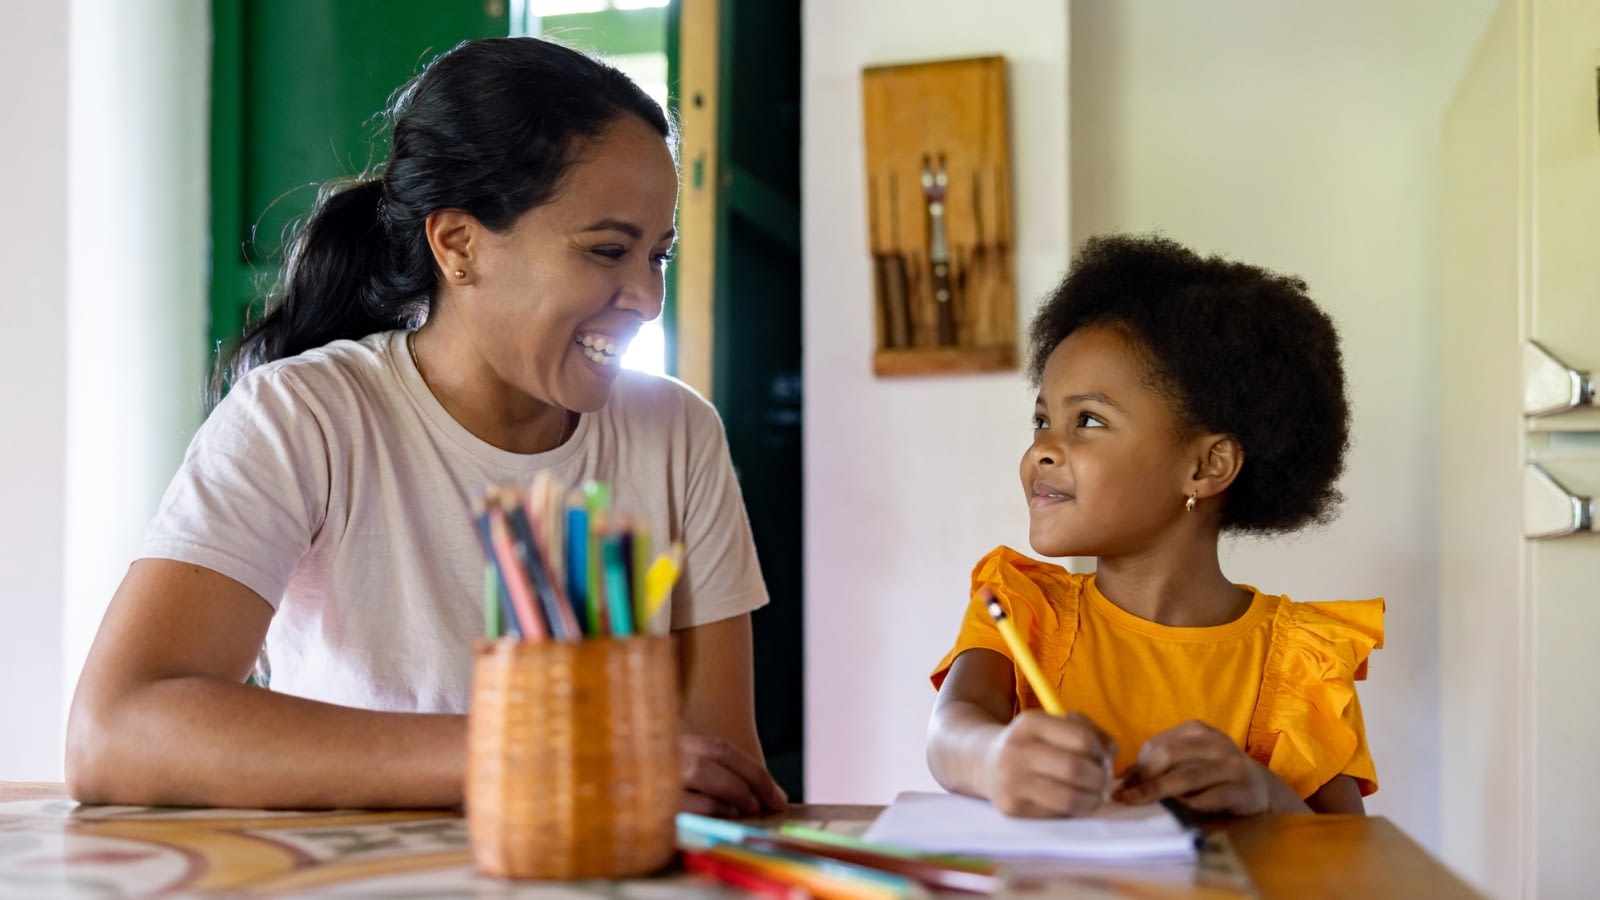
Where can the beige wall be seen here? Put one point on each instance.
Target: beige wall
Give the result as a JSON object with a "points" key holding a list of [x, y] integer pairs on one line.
{"points": [[1305, 137]]}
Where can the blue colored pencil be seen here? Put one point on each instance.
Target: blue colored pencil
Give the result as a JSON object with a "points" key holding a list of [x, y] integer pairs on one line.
{"points": [[578, 564], [619, 605]]}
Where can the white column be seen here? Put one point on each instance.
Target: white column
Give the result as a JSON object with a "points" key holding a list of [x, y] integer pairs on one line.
{"points": [[137, 254]]}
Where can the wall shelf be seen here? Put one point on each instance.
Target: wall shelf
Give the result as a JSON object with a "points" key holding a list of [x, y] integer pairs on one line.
{"points": [[944, 360]]}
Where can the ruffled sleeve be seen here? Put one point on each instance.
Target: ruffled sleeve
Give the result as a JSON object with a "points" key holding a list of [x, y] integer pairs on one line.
{"points": [[1307, 726], [1040, 598]]}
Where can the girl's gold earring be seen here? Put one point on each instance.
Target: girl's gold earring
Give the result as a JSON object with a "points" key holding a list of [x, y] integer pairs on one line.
{"points": [[1188, 504], [460, 274]]}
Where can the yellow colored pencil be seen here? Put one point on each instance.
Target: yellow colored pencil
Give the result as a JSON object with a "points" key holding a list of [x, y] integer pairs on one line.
{"points": [[658, 581], [1023, 656]]}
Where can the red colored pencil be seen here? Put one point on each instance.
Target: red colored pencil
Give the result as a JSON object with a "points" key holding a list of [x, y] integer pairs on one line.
{"points": [[761, 885]]}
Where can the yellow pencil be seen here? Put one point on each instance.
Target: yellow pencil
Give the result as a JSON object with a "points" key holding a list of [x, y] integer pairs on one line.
{"points": [[1024, 657]]}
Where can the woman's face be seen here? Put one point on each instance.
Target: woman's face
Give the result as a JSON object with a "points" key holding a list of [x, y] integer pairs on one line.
{"points": [[559, 295]]}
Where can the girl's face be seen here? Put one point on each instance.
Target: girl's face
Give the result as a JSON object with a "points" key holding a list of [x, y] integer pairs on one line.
{"points": [[1107, 470], [561, 293]]}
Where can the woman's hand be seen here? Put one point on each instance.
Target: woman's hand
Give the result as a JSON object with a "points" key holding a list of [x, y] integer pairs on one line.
{"points": [[1206, 771], [719, 779], [723, 772], [1042, 766]]}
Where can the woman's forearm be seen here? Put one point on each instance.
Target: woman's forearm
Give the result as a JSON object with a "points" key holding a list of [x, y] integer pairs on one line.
{"points": [[200, 741]]}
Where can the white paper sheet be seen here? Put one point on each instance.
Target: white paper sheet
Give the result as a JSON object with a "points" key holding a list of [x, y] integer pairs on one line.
{"points": [[951, 823]]}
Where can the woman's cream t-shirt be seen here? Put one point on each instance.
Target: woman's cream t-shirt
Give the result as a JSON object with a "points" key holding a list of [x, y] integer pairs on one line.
{"points": [[335, 485]]}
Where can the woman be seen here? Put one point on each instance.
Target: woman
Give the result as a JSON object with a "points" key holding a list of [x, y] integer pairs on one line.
{"points": [[454, 322]]}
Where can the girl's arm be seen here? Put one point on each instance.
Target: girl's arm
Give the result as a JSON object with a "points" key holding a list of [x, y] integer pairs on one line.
{"points": [[723, 768], [162, 716], [1341, 795], [1030, 764], [973, 708]]}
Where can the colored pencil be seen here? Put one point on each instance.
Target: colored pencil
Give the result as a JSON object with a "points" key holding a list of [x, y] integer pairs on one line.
{"points": [[597, 503], [984, 878], [638, 565], [577, 520], [508, 615], [563, 625], [822, 877], [968, 863], [658, 581], [493, 628], [549, 515], [930, 874], [760, 885], [522, 599], [619, 606]]}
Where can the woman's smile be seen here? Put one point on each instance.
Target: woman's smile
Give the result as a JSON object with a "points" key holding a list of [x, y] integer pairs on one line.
{"points": [[604, 350]]}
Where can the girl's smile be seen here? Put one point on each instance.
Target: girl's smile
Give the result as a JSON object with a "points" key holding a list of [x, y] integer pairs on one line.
{"points": [[1046, 494]]}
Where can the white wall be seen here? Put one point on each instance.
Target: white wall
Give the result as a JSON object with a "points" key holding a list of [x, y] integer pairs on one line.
{"points": [[33, 256], [1306, 138], [136, 311], [105, 333], [1302, 137], [1484, 674], [910, 480]]}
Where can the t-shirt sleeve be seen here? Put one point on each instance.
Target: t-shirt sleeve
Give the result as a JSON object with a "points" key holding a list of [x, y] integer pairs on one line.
{"points": [[721, 576], [1313, 722], [1024, 587], [977, 632], [252, 490]]}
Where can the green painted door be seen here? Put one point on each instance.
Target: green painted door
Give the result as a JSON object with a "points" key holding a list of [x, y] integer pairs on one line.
{"points": [[756, 320], [298, 87]]}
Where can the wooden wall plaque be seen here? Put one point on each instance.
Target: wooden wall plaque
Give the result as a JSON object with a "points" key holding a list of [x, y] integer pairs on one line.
{"points": [[938, 158]]}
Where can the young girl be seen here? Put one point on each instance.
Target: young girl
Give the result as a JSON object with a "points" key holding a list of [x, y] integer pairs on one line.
{"points": [[1179, 397], [454, 321]]}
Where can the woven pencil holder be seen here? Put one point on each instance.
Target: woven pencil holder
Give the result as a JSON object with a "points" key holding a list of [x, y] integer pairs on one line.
{"points": [[572, 763]]}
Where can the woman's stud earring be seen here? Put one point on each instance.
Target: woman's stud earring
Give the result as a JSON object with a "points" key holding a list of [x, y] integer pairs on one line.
{"points": [[1188, 504], [460, 274]]}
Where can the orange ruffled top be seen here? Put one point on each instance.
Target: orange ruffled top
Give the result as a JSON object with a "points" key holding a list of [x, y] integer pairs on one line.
{"points": [[1280, 679]]}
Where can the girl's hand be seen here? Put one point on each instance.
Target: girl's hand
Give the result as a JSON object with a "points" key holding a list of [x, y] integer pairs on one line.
{"points": [[1042, 766], [1205, 770], [719, 779]]}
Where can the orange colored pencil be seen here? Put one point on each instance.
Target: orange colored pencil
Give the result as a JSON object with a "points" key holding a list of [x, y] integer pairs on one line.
{"points": [[517, 583]]}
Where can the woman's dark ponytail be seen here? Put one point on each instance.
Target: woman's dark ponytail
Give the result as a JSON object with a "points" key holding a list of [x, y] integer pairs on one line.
{"points": [[489, 128], [338, 281]]}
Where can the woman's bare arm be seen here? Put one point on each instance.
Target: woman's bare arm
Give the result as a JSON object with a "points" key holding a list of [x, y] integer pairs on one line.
{"points": [[724, 770], [162, 714]]}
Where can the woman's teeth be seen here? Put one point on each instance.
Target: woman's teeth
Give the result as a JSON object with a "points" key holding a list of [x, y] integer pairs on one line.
{"points": [[599, 349]]}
